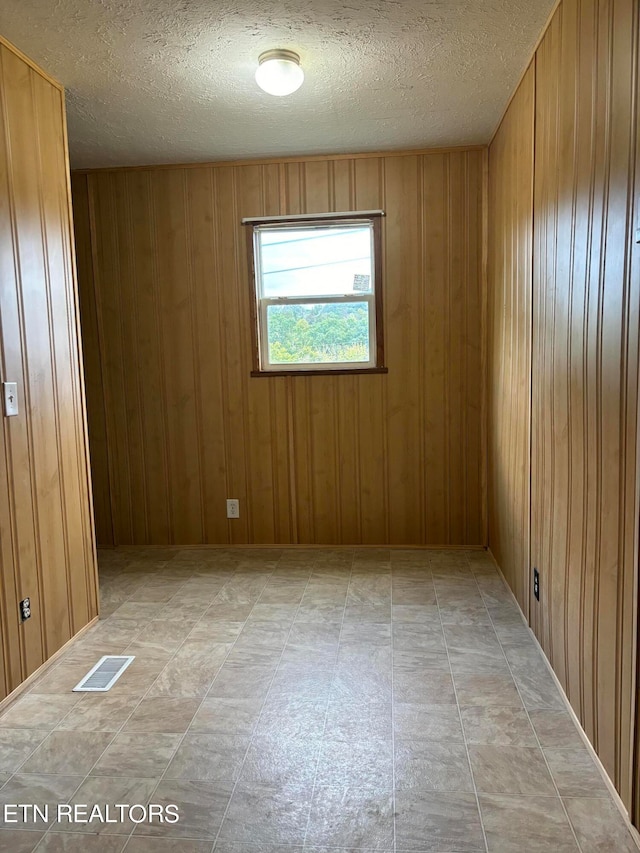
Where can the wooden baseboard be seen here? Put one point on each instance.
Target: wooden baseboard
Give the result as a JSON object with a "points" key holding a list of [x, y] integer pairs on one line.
{"points": [[294, 546], [48, 664]]}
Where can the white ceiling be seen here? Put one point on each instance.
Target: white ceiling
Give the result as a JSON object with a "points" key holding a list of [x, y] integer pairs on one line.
{"points": [[159, 81]]}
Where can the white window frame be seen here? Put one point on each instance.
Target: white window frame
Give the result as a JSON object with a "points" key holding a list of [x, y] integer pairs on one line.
{"points": [[371, 297]]}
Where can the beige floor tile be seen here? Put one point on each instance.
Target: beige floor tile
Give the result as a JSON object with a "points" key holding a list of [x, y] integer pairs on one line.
{"points": [[60, 680], [348, 684], [359, 614], [462, 595], [432, 688], [230, 847], [262, 814], [68, 753], [319, 613], [253, 654], [413, 593], [242, 681], [35, 789], [301, 682], [352, 721], [313, 637], [293, 718], [599, 826], [16, 745], [538, 690], [486, 690], [222, 611], [429, 722], [473, 638], [274, 760], [411, 636], [432, 766], [575, 773], [137, 678], [208, 758], [366, 634], [365, 764], [191, 671], [513, 633], [283, 592], [142, 755], [139, 844], [99, 713], [498, 726], [281, 613], [555, 728], [162, 715], [369, 590], [18, 841], [418, 660], [216, 632], [470, 613], [479, 662], [227, 716], [138, 612], [68, 842], [510, 770], [263, 635], [31, 712], [425, 613], [110, 792], [535, 824], [201, 806], [433, 822], [351, 818], [533, 678]]}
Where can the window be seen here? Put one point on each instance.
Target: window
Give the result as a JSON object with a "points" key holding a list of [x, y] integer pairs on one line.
{"points": [[317, 293]]}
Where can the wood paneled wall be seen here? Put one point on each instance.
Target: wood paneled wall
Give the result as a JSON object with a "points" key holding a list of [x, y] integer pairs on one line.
{"points": [[177, 424], [509, 339], [46, 538], [584, 352]]}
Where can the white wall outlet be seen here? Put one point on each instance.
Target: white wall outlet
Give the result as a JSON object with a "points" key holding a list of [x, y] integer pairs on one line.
{"points": [[10, 390], [233, 508]]}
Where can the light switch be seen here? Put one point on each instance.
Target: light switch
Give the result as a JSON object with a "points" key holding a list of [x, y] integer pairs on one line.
{"points": [[10, 399]]}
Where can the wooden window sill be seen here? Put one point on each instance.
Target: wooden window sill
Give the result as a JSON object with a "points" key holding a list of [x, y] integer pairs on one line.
{"points": [[352, 371]]}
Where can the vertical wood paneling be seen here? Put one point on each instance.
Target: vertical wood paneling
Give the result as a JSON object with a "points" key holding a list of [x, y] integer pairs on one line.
{"points": [[585, 294], [345, 459], [509, 339], [47, 549], [585, 342]]}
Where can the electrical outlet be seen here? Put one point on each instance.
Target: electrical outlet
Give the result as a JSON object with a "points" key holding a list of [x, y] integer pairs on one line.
{"points": [[233, 508], [25, 609], [10, 399], [536, 584]]}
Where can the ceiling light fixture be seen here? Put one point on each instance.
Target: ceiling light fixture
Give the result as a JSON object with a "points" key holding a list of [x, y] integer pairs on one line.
{"points": [[279, 72]]}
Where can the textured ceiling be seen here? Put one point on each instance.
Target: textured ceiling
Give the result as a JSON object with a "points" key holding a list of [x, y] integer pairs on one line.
{"points": [[160, 81]]}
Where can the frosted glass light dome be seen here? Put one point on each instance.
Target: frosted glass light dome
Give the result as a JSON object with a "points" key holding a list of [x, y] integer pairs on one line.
{"points": [[279, 72]]}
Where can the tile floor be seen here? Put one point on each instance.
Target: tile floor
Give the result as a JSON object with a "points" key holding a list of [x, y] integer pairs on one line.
{"points": [[317, 701]]}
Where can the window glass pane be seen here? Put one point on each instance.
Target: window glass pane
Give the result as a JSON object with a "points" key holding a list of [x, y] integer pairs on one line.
{"points": [[318, 333], [316, 261]]}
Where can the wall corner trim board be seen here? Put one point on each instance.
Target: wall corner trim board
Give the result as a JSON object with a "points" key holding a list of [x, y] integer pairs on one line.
{"points": [[564, 296], [47, 548]]}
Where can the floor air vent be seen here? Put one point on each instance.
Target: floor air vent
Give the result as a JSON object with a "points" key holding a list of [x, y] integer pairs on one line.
{"points": [[104, 674]]}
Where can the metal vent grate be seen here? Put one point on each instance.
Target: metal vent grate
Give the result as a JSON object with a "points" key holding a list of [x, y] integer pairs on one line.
{"points": [[104, 674]]}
